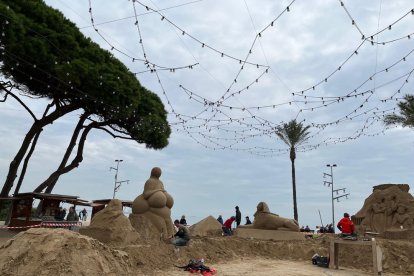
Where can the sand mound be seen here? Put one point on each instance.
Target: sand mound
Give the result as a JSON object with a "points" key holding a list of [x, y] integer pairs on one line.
{"points": [[59, 252], [111, 226], [206, 227]]}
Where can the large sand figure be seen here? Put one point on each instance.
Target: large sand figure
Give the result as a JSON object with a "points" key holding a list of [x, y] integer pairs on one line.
{"points": [[390, 206], [151, 211], [264, 219]]}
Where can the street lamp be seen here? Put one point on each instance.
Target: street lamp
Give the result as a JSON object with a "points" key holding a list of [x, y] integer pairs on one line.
{"points": [[117, 183], [332, 194], [331, 184]]}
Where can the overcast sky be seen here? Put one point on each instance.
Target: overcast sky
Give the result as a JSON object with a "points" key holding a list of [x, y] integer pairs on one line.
{"points": [[222, 152]]}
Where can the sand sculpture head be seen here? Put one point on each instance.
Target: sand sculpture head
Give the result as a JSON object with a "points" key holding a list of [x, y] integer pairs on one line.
{"points": [[264, 219], [156, 172], [262, 207]]}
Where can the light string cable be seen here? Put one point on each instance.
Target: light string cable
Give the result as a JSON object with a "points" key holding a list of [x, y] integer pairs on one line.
{"points": [[150, 65]]}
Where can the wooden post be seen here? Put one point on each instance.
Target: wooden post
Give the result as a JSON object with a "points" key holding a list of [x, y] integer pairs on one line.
{"points": [[376, 258]]}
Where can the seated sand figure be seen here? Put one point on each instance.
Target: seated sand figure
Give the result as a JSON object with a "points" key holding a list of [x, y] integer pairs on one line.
{"points": [[264, 219], [155, 204], [402, 218]]}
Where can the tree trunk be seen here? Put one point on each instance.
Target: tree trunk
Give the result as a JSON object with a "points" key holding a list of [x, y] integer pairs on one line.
{"points": [[76, 160], [26, 162], [50, 182], [295, 206], [36, 127]]}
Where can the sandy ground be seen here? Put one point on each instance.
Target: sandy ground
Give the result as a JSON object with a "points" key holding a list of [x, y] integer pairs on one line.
{"points": [[260, 266], [266, 267]]}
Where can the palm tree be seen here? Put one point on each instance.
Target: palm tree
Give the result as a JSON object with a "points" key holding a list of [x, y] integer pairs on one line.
{"points": [[406, 117], [293, 134]]}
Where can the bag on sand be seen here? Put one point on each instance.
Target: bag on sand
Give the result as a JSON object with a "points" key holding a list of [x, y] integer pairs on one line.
{"points": [[320, 260], [197, 266]]}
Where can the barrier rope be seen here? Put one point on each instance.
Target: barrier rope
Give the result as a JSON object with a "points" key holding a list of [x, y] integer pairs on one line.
{"points": [[44, 224]]}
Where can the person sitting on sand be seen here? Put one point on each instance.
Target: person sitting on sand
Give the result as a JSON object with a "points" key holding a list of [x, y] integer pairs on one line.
{"points": [[227, 226], [346, 225], [182, 236], [248, 220]]}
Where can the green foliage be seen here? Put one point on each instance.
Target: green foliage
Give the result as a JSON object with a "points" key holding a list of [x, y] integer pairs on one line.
{"points": [[48, 56], [293, 133], [406, 117]]}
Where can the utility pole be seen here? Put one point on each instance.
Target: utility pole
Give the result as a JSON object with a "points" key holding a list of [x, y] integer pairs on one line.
{"points": [[331, 184], [117, 183]]}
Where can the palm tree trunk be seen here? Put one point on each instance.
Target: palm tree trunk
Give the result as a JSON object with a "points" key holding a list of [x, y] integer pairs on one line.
{"points": [[295, 206]]}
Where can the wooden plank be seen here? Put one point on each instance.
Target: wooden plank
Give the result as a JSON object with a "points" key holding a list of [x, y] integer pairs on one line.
{"points": [[374, 257], [332, 254]]}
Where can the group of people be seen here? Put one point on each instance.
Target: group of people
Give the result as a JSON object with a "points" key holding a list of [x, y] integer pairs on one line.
{"points": [[71, 216], [182, 236], [227, 225]]}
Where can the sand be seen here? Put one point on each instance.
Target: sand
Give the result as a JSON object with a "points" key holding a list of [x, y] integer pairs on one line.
{"points": [[63, 252]]}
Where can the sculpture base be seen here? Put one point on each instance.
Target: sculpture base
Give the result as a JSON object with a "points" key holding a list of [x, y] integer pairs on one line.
{"points": [[398, 234], [260, 234]]}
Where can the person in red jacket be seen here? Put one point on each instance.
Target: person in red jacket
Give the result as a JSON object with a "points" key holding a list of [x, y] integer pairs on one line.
{"points": [[227, 226], [346, 225]]}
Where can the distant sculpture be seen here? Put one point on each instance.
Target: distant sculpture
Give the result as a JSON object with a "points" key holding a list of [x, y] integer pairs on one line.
{"points": [[154, 205], [390, 206], [264, 219]]}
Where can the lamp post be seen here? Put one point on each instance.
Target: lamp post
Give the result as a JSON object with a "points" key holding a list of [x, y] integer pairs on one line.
{"points": [[117, 183], [332, 194], [331, 184]]}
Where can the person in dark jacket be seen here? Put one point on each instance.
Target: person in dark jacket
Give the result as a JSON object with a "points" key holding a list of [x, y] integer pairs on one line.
{"points": [[238, 216], [248, 221], [183, 221], [220, 219], [346, 225], [182, 236], [72, 216], [60, 215]]}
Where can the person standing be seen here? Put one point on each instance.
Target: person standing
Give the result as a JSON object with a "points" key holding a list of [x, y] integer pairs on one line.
{"points": [[84, 214], [220, 219], [346, 225], [72, 216], [238, 216]]}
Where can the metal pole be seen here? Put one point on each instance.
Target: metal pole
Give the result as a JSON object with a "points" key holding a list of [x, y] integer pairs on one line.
{"points": [[320, 217], [333, 209], [116, 175]]}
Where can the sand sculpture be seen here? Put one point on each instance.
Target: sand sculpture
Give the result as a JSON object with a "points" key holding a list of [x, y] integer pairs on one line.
{"points": [[264, 219], [206, 227], [41, 251], [151, 211], [111, 226], [390, 206]]}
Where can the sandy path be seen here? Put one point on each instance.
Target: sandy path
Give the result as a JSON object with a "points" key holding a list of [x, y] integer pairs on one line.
{"points": [[266, 267]]}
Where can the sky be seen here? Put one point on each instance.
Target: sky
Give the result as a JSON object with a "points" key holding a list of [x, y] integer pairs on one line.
{"points": [[337, 68]]}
